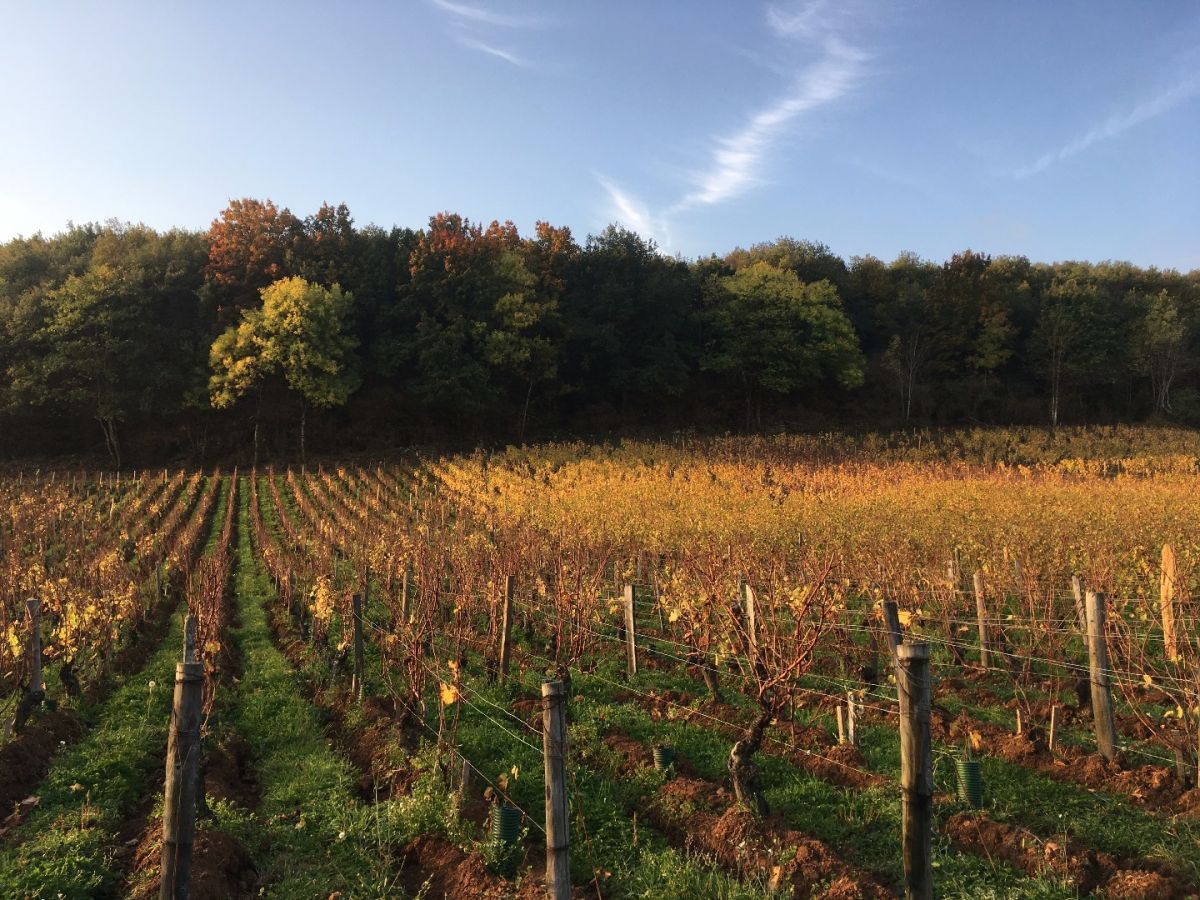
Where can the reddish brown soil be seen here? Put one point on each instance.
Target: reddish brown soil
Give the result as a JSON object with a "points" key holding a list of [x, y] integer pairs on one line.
{"points": [[1153, 787], [529, 710], [446, 873], [703, 816], [1087, 870], [221, 867], [696, 813], [1141, 886], [227, 774], [25, 759], [635, 755], [840, 764]]}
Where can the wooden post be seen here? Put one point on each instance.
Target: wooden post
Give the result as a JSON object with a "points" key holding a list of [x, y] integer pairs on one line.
{"points": [[1080, 607], [1053, 727], [841, 723], [505, 626], [891, 619], [406, 595], [1102, 711], [916, 773], [630, 634], [33, 606], [465, 781], [1020, 723], [981, 614], [750, 608], [182, 772], [554, 752], [356, 684], [851, 716], [1168, 594]]}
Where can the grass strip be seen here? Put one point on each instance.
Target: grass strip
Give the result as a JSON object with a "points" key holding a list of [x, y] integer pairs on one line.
{"points": [[310, 836]]}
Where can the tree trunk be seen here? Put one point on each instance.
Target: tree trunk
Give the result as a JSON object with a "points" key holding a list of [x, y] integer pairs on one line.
{"points": [[257, 416], [109, 428], [745, 773], [525, 412], [749, 402], [303, 422]]}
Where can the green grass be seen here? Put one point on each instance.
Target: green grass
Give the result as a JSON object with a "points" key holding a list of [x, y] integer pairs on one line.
{"points": [[310, 835]]}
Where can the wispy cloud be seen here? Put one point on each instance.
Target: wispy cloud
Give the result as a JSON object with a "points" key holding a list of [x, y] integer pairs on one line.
{"points": [[472, 26], [479, 15], [1116, 125], [498, 52], [812, 19], [629, 211], [816, 31], [737, 158]]}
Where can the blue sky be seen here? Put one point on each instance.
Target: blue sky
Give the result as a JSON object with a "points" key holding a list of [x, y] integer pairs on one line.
{"points": [[1065, 130]]}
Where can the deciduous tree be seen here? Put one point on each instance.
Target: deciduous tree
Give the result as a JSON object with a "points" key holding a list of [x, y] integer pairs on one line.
{"points": [[300, 335]]}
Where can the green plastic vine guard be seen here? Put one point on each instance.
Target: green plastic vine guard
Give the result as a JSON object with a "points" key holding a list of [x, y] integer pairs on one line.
{"points": [[664, 756], [970, 781], [506, 824]]}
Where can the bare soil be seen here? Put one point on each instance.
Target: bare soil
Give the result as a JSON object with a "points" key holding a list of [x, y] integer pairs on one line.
{"points": [[1086, 869]]}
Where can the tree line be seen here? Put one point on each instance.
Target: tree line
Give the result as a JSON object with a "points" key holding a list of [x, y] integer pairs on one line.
{"points": [[274, 334]]}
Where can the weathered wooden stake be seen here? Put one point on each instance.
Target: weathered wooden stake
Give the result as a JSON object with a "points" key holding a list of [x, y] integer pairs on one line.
{"points": [[554, 752], [981, 613], [1020, 723], [630, 634], [841, 723], [506, 625], [1102, 711], [1053, 727], [750, 606], [891, 620], [465, 781], [916, 773], [33, 606], [851, 716], [1168, 595], [182, 772], [356, 684], [1080, 607], [406, 596]]}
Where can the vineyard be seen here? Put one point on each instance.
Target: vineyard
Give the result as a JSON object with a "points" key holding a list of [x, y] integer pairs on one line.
{"points": [[682, 669]]}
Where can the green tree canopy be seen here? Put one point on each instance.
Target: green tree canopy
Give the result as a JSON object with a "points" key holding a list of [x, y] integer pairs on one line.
{"points": [[777, 333], [300, 335]]}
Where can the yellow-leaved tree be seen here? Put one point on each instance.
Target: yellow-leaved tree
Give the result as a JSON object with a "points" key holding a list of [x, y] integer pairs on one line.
{"points": [[300, 335]]}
